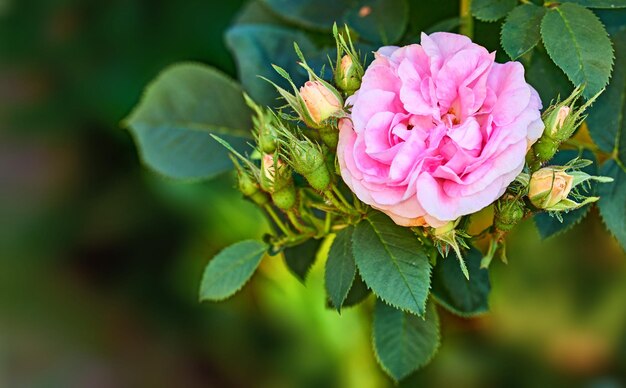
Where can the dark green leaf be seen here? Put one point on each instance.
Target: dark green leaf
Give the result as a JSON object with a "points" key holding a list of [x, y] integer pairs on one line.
{"points": [[606, 120], [384, 22], [549, 226], [358, 292], [404, 342], [392, 262], [610, 4], [520, 32], [180, 109], [316, 15], [340, 267], [254, 12], [231, 269], [547, 78], [256, 47], [457, 294], [612, 202], [378, 21], [492, 10], [300, 258], [578, 43]]}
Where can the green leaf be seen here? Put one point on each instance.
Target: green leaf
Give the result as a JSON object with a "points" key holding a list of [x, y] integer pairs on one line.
{"points": [[180, 109], [492, 10], [578, 43], [377, 21], [548, 225], [256, 48], [340, 267], [612, 201], [546, 77], [392, 262], [404, 342], [231, 269], [454, 292], [358, 292], [300, 258], [520, 32], [317, 15], [610, 4], [606, 119], [384, 23]]}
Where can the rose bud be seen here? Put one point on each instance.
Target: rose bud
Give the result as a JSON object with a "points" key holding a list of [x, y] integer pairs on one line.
{"points": [[320, 102], [548, 187], [555, 123], [348, 75], [508, 212], [247, 183], [263, 126], [277, 180], [308, 160], [561, 120]]}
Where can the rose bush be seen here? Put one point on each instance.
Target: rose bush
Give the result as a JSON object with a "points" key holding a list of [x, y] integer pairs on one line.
{"points": [[437, 130]]}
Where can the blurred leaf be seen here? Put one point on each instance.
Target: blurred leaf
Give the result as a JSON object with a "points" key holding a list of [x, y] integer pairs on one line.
{"points": [[546, 77], [599, 3], [254, 12], [424, 15], [379, 21], [404, 342], [340, 267], [256, 47], [549, 226], [612, 201], [606, 120], [453, 291], [578, 43], [492, 10], [446, 25], [520, 32], [316, 15], [392, 262], [613, 19], [180, 109], [231, 269], [300, 258]]}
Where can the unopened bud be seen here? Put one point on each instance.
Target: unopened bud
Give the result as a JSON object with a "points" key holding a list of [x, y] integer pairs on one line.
{"points": [[557, 120], [308, 160], [508, 212], [277, 180], [267, 139], [348, 75], [548, 187], [320, 102]]}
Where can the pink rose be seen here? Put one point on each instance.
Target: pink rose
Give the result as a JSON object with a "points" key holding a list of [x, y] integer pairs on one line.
{"points": [[437, 130]]}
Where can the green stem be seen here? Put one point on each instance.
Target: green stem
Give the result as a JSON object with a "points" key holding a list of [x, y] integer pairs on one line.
{"points": [[278, 221], [467, 22], [341, 197], [296, 222], [328, 194]]}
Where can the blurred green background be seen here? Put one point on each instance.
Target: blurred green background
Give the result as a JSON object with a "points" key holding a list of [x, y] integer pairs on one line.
{"points": [[100, 260]]}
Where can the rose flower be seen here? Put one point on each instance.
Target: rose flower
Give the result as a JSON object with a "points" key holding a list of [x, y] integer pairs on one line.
{"points": [[437, 130]]}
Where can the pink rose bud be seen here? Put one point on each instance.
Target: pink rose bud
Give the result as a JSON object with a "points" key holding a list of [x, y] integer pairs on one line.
{"points": [[548, 187], [268, 169], [559, 119], [320, 102], [348, 75]]}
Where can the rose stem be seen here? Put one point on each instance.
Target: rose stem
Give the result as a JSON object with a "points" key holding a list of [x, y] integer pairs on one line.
{"points": [[467, 23]]}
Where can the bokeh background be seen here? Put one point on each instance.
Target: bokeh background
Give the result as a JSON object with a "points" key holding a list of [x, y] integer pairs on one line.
{"points": [[100, 260]]}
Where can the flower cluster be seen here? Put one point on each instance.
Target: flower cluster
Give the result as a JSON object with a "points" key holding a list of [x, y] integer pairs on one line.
{"points": [[428, 134]]}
